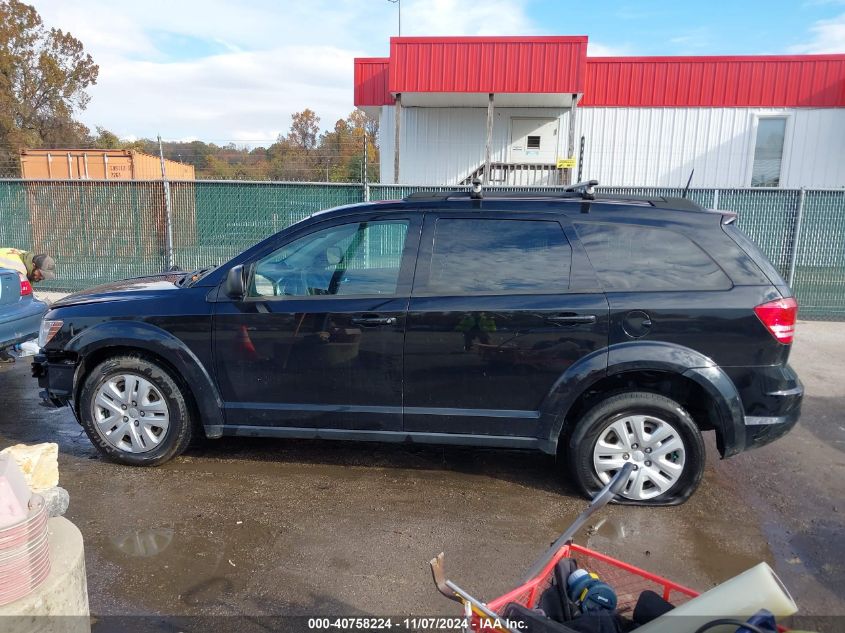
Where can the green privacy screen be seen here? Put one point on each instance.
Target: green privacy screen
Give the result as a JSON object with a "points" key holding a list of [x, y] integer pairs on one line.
{"points": [[99, 231]]}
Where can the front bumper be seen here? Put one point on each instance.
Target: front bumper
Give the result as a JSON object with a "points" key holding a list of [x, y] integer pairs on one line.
{"points": [[55, 379]]}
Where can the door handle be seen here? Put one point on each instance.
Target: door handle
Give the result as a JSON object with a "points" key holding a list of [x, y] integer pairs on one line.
{"points": [[572, 319], [370, 321]]}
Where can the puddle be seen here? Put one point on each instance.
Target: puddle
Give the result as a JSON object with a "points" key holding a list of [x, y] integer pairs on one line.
{"points": [[190, 566], [696, 554], [143, 543]]}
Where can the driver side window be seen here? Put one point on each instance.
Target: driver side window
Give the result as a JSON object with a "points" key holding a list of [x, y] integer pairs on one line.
{"points": [[361, 258]]}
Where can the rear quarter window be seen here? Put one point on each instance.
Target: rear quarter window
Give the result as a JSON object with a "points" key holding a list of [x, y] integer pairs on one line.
{"points": [[637, 258], [750, 248]]}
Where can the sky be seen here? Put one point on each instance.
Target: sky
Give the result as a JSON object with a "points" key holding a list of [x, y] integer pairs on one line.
{"points": [[233, 71]]}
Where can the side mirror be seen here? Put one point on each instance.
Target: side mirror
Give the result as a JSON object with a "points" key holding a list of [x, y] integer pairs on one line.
{"points": [[234, 286]]}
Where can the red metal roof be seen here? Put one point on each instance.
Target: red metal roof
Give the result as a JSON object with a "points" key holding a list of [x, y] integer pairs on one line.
{"points": [[487, 64], [371, 81], [758, 81], [526, 65]]}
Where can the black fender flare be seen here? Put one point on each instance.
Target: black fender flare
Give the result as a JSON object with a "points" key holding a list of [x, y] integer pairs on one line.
{"points": [[146, 337], [577, 378], [657, 356]]}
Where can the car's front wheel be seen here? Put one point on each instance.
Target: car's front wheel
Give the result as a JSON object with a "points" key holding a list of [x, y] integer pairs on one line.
{"points": [[134, 411], [652, 432]]}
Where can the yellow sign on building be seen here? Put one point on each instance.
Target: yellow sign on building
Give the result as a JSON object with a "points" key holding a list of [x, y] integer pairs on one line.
{"points": [[566, 163]]}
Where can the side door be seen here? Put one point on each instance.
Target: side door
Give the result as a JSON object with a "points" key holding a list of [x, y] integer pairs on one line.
{"points": [[317, 341], [494, 322], [533, 140]]}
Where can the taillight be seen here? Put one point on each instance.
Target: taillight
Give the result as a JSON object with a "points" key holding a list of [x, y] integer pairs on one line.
{"points": [[26, 287], [779, 318]]}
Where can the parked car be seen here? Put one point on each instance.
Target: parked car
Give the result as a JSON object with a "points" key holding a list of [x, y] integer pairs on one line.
{"points": [[604, 330], [20, 311]]}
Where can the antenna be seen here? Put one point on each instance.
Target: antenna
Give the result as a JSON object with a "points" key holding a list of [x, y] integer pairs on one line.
{"points": [[689, 180]]}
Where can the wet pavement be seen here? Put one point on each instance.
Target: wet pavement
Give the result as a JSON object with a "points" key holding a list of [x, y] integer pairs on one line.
{"points": [[274, 527]]}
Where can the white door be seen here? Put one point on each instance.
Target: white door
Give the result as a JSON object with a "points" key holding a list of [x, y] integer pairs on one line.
{"points": [[533, 141]]}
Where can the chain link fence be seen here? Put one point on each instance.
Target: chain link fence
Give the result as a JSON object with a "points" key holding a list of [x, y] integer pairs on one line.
{"points": [[99, 231]]}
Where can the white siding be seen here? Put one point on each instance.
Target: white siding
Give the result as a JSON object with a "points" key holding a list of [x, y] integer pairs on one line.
{"points": [[625, 146], [445, 145], [658, 147]]}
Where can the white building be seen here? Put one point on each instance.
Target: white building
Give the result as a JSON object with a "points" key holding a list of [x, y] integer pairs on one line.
{"points": [[516, 108]]}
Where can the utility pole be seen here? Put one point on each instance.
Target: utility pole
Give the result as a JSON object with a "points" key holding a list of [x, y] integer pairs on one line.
{"points": [[364, 175], [168, 211], [398, 4]]}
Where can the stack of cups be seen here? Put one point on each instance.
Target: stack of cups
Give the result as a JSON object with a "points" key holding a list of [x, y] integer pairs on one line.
{"points": [[24, 553]]}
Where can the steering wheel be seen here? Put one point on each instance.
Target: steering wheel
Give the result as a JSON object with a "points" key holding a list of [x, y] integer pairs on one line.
{"points": [[294, 283]]}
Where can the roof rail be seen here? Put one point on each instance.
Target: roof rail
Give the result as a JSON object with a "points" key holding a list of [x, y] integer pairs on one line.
{"points": [[491, 195], [579, 191], [676, 202], [586, 188]]}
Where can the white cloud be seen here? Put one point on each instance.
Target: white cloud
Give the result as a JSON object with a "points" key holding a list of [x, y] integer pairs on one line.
{"points": [[828, 36], [270, 58]]}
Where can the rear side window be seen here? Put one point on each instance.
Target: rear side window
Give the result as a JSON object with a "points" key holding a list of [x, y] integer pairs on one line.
{"points": [[638, 258], [498, 257], [750, 248]]}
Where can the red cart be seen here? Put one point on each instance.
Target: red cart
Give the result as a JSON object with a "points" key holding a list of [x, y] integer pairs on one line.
{"points": [[627, 580]]}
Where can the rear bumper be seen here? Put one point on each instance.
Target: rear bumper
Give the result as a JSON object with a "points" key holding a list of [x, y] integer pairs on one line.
{"points": [[21, 325], [761, 431], [771, 398]]}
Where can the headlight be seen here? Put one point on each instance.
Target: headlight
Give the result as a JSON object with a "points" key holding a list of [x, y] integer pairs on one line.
{"points": [[48, 330]]}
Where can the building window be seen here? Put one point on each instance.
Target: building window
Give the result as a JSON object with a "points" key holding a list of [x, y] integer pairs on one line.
{"points": [[533, 142], [768, 152]]}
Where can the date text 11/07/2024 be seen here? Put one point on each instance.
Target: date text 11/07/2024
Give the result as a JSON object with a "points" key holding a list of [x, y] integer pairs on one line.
{"points": [[412, 624]]}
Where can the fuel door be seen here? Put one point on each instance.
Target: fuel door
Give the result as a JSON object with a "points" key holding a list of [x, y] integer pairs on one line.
{"points": [[636, 324]]}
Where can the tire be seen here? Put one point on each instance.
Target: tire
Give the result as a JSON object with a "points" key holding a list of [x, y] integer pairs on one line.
{"points": [[654, 432], [135, 412]]}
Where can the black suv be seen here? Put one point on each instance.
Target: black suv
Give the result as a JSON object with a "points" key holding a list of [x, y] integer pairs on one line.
{"points": [[605, 330]]}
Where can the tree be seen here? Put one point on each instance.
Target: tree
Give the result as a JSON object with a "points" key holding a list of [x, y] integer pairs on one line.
{"points": [[106, 139], [44, 74], [301, 154], [304, 129], [341, 151]]}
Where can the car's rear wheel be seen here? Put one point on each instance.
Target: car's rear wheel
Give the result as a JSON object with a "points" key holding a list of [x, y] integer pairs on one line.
{"points": [[654, 433], [135, 412]]}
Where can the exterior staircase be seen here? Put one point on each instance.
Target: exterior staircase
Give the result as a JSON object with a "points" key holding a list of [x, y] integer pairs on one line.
{"points": [[517, 175]]}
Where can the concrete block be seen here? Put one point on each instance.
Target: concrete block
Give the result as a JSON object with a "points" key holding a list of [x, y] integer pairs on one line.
{"points": [[38, 462], [60, 603]]}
